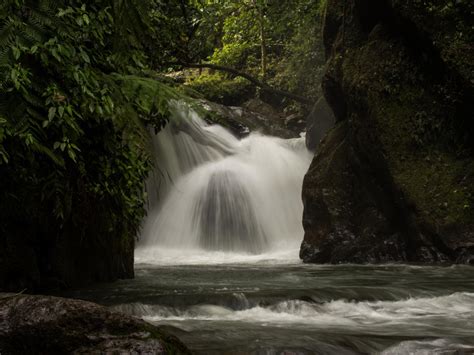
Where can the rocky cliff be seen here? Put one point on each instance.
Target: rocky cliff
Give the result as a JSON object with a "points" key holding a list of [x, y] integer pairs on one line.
{"points": [[394, 180]]}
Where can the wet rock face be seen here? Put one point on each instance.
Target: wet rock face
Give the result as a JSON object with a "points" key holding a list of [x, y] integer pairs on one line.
{"points": [[394, 180], [254, 115], [52, 325], [319, 121], [348, 216]]}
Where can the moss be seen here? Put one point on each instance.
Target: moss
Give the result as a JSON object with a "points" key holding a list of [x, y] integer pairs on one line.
{"points": [[441, 186], [218, 88], [436, 179], [414, 125], [212, 115]]}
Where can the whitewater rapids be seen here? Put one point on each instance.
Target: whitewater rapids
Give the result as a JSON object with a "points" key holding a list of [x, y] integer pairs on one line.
{"points": [[303, 309]]}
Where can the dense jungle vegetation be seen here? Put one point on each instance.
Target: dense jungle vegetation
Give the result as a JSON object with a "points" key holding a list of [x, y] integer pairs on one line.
{"points": [[83, 81]]}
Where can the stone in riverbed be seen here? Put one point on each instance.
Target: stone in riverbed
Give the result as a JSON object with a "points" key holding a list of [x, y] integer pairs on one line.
{"points": [[53, 325]]}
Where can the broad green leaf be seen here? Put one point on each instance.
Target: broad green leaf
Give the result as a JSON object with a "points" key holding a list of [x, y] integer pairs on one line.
{"points": [[51, 113]]}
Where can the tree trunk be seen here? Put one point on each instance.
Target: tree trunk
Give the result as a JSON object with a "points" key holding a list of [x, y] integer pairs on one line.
{"points": [[263, 44]]}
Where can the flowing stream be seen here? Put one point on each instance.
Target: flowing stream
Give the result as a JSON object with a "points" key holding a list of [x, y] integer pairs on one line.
{"points": [[217, 264]]}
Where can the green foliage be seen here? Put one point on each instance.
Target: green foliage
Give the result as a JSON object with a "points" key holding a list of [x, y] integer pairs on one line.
{"points": [[301, 64], [450, 26], [288, 33], [219, 88], [76, 96]]}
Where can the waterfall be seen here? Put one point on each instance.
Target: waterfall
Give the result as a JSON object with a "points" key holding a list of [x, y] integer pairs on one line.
{"points": [[213, 193]]}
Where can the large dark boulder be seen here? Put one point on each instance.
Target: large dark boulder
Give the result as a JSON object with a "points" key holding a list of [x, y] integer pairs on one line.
{"points": [[319, 121], [394, 181], [52, 325]]}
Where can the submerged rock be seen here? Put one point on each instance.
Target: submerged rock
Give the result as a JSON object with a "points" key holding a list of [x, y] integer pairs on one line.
{"points": [[254, 115], [52, 325], [394, 180]]}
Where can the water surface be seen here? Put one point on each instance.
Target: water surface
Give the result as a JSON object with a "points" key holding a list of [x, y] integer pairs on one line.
{"points": [[266, 307]]}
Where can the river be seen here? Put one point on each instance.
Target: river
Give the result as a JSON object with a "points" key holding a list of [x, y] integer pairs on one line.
{"points": [[270, 307], [217, 262]]}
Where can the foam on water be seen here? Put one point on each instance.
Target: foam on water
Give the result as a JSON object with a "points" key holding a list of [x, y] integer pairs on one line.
{"points": [[159, 255], [452, 314]]}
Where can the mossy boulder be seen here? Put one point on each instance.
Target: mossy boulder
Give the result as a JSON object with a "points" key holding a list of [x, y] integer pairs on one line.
{"points": [[53, 325], [219, 88], [395, 180], [253, 116]]}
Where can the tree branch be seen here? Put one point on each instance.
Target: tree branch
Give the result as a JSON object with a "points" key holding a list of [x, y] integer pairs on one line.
{"points": [[253, 80]]}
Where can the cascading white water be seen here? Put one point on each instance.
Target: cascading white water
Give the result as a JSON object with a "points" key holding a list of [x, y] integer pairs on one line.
{"points": [[213, 193]]}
